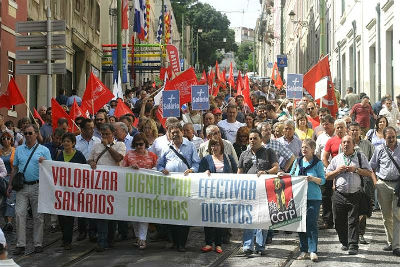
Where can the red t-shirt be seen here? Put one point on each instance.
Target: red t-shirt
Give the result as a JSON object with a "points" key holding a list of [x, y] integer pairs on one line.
{"points": [[362, 114], [148, 161], [314, 121], [332, 146]]}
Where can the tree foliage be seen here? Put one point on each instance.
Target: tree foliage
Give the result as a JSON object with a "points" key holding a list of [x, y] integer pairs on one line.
{"points": [[214, 25], [244, 56]]}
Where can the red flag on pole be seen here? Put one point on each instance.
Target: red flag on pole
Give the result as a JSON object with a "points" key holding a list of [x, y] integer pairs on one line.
{"points": [[246, 94], [203, 79], [160, 116], [231, 79], [124, 15], [121, 109], [276, 77], [314, 75], [36, 115], [58, 112], [12, 96], [239, 83], [183, 83], [96, 95], [76, 111]]}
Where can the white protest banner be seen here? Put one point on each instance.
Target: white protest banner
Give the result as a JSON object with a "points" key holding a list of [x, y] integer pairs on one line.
{"points": [[220, 200], [321, 88]]}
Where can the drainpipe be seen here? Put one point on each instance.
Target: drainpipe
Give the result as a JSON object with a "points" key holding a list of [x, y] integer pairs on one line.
{"points": [[378, 47], [339, 76], [354, 55]]}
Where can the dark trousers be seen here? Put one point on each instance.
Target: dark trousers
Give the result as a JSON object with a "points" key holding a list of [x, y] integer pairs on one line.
{"points": [[178, 234], [123, 229], [67, 228], [346, 208], [105, 232], [213, 235], [83, 224], [363, 224], [327, 215]]}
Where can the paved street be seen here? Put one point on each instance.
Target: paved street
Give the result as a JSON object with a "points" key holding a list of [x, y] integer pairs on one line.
{"points": [[282, 252]]}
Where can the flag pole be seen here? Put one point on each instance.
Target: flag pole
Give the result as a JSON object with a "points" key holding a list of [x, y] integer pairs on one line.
{"points": [[37, 124]]}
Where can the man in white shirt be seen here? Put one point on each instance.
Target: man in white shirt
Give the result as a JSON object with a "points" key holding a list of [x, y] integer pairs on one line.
{"points": [[84, 143], [160, 144], [122, 135], [230, 126], [392, 114]]}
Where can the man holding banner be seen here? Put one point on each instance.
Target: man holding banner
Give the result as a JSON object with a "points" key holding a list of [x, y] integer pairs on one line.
{"points": [[111, 153], [180, 157], [256, 160]]}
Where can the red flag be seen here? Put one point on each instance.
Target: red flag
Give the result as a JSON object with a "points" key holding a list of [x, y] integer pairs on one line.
{"points": [[58, 112], [183, 83], [314, 75], [124, 14], [203, 79], [210, 80], [223, 76], [231, 79], [239, 82], [76, 111], [37, 116], [96, 95], [160, 116], [173, 56], [121, 109], [246, 94], [218, 74], [239, 89], [12, 96], [276, 77]]}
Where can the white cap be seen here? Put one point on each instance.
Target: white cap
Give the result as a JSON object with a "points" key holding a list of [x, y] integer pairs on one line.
{"points": [[2, 238]]}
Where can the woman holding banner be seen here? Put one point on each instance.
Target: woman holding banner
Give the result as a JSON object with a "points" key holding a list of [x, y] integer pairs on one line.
{"points": [[68, 154], [216, 162], [137, 158], [312, 168]]}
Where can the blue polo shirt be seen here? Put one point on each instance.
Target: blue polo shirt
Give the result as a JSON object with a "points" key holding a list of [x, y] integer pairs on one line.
{"points": [[22, 154]]}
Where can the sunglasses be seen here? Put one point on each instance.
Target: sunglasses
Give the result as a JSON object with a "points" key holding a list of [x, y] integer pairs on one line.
{"points": [[6, 138], [139, 144], [99, 119], [310, 108], [28, 133]]}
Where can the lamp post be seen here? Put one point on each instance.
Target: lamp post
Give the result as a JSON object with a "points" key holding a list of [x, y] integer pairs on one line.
{"points": [[197, 49]]}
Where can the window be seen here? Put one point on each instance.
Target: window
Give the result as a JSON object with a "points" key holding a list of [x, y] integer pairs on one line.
{"points": [[97, 17], [11, 68], [78, 5]]}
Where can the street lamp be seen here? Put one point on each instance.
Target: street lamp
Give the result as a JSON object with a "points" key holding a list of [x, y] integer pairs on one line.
{"points": [[197, 49], [300, 22]]}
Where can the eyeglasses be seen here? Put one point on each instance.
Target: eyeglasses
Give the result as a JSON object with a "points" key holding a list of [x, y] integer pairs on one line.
{"points": [[6, 138], [28, 133], [139, 144], [310, 108], [99, 119]]}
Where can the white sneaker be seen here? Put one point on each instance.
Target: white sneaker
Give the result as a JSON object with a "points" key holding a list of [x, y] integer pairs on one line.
{"points": [[313, 257], [303, 256]]}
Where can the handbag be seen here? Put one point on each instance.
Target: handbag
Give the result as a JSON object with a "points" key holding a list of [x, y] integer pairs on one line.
{"points": [[19, 178], [365, 199]]}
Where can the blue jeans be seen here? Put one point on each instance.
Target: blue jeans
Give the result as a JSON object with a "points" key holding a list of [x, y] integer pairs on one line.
{"points": [[309, 239], [248, 239]]}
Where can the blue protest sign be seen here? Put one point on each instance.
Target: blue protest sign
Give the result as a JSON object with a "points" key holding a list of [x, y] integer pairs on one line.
{"points": [[115, 67], [182, 63], [294, 86], [281, 61], [170, 103], [200, 100]]}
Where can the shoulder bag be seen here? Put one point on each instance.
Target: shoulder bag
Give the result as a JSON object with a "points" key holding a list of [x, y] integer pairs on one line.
{"points": [[397, 189], [180, 156], [19, 177], [365, 199]]}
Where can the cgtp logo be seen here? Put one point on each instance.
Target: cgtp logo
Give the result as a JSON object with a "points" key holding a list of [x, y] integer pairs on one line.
{"points": [[281, 204]]}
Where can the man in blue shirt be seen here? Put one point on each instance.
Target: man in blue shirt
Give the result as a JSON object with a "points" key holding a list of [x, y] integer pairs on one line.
{"points": [[29, 193], [181, 156]]}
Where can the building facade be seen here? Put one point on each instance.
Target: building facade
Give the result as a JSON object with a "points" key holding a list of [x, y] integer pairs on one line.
{"points": [[83, 47], [243, 34], [11, 12], [360, 38]]}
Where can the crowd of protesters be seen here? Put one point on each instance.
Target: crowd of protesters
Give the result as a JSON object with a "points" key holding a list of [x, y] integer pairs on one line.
{"points": [[338, 154]]}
